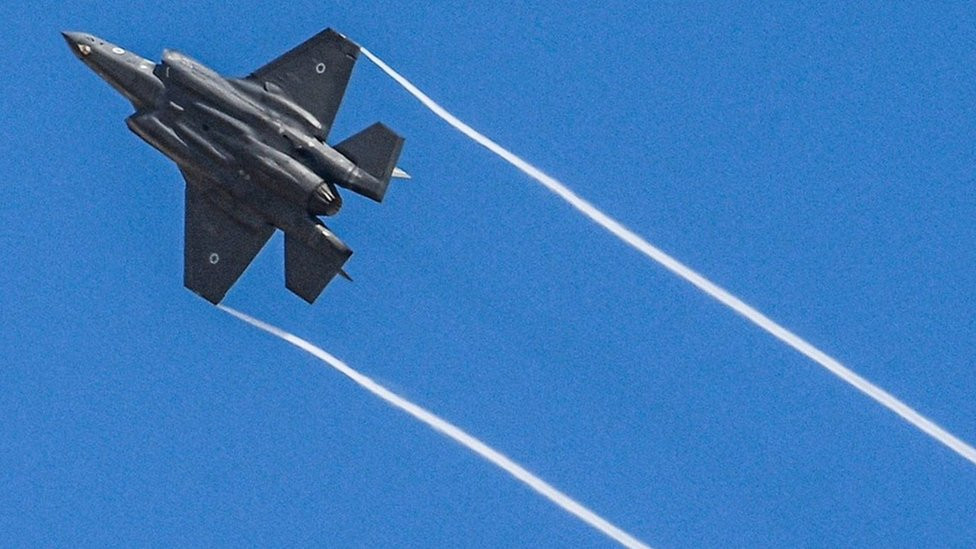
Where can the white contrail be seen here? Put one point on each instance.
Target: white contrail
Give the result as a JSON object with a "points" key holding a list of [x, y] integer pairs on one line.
{"points": [[452, 431], [880, 395]]}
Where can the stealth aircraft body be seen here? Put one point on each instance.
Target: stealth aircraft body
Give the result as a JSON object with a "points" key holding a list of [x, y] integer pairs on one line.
{"points": [[254, 155]]}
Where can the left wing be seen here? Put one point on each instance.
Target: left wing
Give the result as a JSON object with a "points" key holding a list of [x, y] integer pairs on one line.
{"points": [[219, 240]]}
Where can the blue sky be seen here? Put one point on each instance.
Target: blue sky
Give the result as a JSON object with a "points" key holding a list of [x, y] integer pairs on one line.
{"points": [[817, 161]]}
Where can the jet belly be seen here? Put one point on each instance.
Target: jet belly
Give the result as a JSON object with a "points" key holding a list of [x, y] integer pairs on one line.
{"points": [[187, 135], [285, 142], [199, 135], [291, 179]]}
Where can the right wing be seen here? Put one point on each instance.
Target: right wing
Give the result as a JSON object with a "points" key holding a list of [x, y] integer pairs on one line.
{"points": [[218, 244], [314, 74]]}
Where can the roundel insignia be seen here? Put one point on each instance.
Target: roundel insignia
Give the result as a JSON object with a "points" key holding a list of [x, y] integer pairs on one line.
{"points": [[320, 68], [214, 258]]}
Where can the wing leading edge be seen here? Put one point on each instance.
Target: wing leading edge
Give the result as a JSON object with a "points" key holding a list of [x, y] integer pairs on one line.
{"points": [[314, 74]]}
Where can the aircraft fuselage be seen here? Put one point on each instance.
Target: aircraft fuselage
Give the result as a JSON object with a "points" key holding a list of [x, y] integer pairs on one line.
{"points": [[250, 132], [250, 148]]}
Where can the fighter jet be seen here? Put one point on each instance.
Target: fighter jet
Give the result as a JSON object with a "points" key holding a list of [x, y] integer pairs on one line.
{"points": [[253, 153]]}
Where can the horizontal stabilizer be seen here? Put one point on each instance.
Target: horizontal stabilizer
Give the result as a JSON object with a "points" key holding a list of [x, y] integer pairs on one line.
{"points": [[400, 174], [376, 150], [309, 268]]}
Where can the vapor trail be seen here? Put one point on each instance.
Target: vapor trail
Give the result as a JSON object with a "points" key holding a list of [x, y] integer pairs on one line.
{"points": [[452, 431], [635, 241]]}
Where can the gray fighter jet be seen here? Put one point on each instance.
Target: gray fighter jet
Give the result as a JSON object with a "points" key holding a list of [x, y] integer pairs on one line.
{"points": [[253, 153]]}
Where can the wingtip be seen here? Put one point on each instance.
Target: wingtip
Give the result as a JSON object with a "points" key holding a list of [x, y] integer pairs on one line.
{"points": [[400, 174]]}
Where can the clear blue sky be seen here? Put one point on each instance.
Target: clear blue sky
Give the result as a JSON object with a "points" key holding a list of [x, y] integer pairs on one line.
{"points": [[817, 161]]}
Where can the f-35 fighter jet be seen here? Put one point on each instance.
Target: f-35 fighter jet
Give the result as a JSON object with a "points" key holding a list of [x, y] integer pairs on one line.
{"points": [[253, 153]]}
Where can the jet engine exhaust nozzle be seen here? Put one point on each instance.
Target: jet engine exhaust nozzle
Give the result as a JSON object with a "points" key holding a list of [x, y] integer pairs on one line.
{"points": [[324, 200]]}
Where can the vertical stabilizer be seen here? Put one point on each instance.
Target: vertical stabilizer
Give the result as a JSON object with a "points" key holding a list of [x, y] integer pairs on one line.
{"points": [[376, 150]]}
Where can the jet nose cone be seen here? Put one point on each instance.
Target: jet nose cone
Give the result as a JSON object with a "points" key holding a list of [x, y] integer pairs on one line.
{"points": [[80, 43], [72, 37]]}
